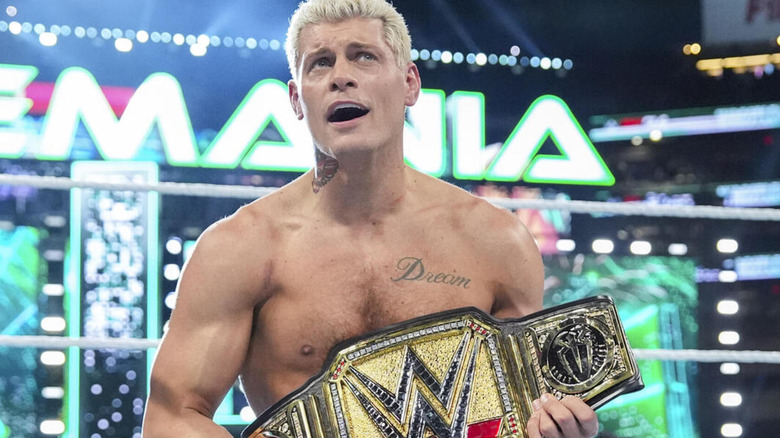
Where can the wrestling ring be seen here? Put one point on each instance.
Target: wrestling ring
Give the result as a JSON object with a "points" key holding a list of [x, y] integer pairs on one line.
{"points": [[677, 361]]}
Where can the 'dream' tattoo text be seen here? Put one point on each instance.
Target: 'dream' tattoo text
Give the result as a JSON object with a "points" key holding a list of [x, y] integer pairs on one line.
{"points": [[413, 269]]}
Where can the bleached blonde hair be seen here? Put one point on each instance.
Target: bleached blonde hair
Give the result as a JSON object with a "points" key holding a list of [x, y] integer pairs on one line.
{"points": [[333, 11]]}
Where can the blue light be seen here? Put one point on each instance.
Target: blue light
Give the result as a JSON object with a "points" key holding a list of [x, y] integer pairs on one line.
{"points": [[414, 55], [535, 61], [457, 57], [471, 58], [568, 64], [425, 54], [524, 61], [436, 55], [492, 59]]}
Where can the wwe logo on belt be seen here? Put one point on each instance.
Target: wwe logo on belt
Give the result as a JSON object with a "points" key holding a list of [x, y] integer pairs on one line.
{"points": [[453, 395], [577, 354]]}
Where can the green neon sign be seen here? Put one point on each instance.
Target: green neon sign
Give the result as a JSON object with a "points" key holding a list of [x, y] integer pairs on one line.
{"points": [[159, 103]]}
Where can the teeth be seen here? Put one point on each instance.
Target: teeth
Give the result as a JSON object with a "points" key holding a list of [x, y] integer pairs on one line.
{"points": [[347, 105]]}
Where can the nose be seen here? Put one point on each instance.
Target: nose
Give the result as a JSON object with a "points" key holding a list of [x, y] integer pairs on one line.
{"points": [[342, 77]]}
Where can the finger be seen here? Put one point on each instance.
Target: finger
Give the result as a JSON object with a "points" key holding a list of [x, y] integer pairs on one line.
{"points": [[562, 417], [533, 426], [547, 426], [584, 414]]}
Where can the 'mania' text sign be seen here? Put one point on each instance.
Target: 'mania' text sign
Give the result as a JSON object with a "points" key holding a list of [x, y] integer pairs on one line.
{"points": [[77, 100]]}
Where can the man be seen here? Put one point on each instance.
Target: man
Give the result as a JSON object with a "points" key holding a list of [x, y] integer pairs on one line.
{"points": [[270, 289]]}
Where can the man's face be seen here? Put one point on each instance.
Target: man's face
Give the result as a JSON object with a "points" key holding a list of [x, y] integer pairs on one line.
{"points": [[350, 89]]}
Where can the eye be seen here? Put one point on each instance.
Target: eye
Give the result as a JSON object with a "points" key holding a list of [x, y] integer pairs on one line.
{"points": [[365, 56], [320, 63]]}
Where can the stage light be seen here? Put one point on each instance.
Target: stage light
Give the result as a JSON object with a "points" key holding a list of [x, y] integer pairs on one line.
{"points": [[640, 247], [130, 34], [239, 42], [26, 27], [728, 337], [446, 57], [123, 45], [274, 44], [729, 368], [568, 64], [15, 27], [436, 55], [92, 32], [174, 245], [52, 392], [54, 255], [687, 49], [247, 414], [636, 140], [203, 40], [511, 61], [545, 63], [215, 41], [458, 58], [227, 41], [251, 43], [557, 63], [47, 39], [480, 59], [117, 33], [492, 59], [656, 135], [171, 271], [105, 33], [471, 58], [170, 300], [53, 358], [190, 39], [53, 324], [602, 246], [142, 36], [727, 276], [731, 430], [11, 11], [728, 307], [39, 28], [53, 290], [535, 61], [731, 399], [565, 245], [525, 62], [503, 59], [695, 49], [80, 32], [198, 50], [414, 54], [515, 51], [178, 39], [425, 54], [64, 30], [727, 246], [52, 427]]}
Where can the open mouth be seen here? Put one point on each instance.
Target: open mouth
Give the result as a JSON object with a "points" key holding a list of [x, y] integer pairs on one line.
{"points": [[345, 112]]}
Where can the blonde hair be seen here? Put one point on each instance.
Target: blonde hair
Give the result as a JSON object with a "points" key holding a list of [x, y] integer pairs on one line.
{"points": [[333, 11]]}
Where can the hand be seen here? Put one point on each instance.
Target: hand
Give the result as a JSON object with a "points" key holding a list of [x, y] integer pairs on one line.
{"points": [[566, 418]]}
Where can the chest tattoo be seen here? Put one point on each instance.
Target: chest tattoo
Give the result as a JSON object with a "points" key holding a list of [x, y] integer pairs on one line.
{"points": [[413, 269]]}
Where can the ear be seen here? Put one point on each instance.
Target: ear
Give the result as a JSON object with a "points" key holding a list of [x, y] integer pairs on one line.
{"points": [[413, 84], [295, 99]]}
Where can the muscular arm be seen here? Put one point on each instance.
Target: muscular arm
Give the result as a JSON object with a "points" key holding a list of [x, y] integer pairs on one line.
{"points": [[205, 346]]}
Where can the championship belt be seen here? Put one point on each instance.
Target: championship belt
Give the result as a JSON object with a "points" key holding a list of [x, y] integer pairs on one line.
{"points": [[460, 373]]}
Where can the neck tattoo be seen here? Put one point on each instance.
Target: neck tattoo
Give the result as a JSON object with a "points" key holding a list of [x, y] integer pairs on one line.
{"points": [[324, 170]]}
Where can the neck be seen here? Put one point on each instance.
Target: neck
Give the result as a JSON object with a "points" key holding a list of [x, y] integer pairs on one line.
{"points": [[360, 186]]}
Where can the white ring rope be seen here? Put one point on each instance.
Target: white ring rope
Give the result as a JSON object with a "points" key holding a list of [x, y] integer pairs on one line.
{"points": [[250, 192], [59, 342]]}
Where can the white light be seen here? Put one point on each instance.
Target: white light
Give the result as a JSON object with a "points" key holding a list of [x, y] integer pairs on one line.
{"points": [[656, 135], [170, 300], [565, 245], [247, 414], [53, 290], [55, 221], [640, 247], [52, 392], [54, 255], [39, 28], [204, 40], [481, 59], [123, 44], [602, 246], [190, 39], [727, 246], [53, 324], [178, 39], [557, 63], [47, 39], [515, 51], [52, 427], [171, 272], [728, 337], [53, 358], [446, 57], [414, 54], [80, 32], [173, 246], [731, 430], [15, 27], [729, 368], [731, 399], [251, 43], [728, 307], [142, 36], [197, 50], [11, 11], [275, 45], [727, 276], [678, 249], [545, 63], [215, 41]]}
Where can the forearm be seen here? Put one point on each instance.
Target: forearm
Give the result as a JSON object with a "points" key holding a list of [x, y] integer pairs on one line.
{"points": [[187, 423]]}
